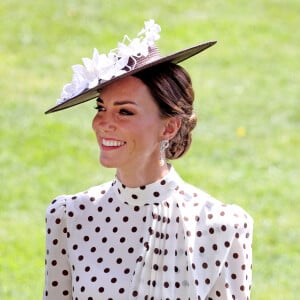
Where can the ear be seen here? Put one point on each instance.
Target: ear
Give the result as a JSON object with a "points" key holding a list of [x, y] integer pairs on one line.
{"points": [[171, 127]]}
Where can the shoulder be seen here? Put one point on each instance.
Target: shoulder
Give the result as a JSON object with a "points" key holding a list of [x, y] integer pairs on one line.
{"points": [[214, 213], [63, 204], [57, 207]]}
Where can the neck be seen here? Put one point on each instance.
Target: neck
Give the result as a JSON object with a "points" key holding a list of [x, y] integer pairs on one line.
{"points": [[142, 175]]}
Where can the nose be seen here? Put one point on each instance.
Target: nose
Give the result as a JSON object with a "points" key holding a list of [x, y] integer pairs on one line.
{"points": [[103, 122]]}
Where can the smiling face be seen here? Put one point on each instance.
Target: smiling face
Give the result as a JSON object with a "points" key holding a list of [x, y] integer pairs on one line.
{"points": [[129, 127]]}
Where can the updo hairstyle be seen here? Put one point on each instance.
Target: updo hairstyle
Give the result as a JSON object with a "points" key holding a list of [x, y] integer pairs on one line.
{"points": [[171, 87]]}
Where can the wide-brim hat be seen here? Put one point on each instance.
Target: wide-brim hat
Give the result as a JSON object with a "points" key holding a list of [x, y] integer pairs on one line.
{"points": [[86, 84]]}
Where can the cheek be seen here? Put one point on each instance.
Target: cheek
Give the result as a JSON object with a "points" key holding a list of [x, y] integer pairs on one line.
{"points": [[135, 137], [144, 137]]}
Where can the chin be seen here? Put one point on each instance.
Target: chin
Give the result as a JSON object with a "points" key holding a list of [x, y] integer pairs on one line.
{"points": [[108, 163], [108, 166]]}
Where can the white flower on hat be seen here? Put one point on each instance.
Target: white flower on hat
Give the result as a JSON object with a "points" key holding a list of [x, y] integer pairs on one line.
{"points": [[78, 84], [109, 66], [103, 67], [151, 32]]}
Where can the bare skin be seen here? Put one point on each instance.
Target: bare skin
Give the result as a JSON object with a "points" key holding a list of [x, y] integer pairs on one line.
{"points": [[129, 128]]}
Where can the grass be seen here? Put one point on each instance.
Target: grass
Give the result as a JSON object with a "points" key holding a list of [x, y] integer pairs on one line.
{"points": [[246, 145]]}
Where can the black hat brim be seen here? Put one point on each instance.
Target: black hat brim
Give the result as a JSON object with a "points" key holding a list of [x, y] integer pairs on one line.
{"points": [[92, 93]]}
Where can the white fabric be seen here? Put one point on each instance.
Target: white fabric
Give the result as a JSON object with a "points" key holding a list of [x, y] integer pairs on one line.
{"points": [[166, 240]]}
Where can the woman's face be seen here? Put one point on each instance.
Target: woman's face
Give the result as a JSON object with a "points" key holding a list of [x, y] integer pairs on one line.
{"points": [[128, 126]]}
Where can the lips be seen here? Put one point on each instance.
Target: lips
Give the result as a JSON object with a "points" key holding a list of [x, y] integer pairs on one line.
{"points": [[112, 143]]}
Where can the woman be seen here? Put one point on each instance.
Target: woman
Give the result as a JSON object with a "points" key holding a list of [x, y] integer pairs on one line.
{"points": [[146, 234]]}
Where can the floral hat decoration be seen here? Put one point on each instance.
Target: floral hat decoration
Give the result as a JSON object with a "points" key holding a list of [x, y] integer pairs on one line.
{"points": [[130, 57]]}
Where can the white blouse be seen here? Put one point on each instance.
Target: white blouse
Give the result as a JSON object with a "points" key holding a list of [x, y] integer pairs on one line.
{"points": [[164, 241]]}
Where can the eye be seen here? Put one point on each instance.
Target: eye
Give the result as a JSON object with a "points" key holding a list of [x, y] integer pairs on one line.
{"points": [[99, 108], [126, 112]]}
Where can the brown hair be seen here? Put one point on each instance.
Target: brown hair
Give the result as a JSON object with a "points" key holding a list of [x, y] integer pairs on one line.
{"points": [[171, 87]]}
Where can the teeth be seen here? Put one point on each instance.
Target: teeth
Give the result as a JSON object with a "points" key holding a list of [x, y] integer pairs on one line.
{"points": [[112, 143]]}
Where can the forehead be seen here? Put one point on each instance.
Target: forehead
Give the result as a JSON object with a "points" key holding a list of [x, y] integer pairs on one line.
{"points": [[129, 90], [126, 86]]}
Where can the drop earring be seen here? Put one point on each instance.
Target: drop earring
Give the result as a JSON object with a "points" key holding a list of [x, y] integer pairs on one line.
{"points": [[164, 144]]}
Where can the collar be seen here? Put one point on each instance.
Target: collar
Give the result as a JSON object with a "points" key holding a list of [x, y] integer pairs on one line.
{"points": [[152, 193]]}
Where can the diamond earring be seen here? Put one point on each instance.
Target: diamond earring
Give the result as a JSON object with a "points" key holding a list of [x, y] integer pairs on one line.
{"points": [[164, 144]]}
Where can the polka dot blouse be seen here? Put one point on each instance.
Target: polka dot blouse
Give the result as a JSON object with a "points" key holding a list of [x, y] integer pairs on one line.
{"points": [[165, 240]]}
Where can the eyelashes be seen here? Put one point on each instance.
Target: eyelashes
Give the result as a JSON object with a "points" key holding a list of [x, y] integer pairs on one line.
{"points": [[126, 112], [122, 111], [99, 108]]}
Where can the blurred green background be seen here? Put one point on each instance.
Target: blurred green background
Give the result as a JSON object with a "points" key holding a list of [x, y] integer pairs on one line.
{"points": [[246, 144]]}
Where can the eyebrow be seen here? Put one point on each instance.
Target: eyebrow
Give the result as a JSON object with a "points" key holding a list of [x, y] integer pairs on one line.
{"points": [[117, 103]]}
